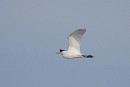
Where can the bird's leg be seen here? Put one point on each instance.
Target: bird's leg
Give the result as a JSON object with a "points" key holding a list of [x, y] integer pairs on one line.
{"points": [[88, 56]]}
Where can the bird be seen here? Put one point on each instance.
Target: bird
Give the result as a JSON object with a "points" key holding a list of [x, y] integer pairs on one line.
{"points": [[74, 45]]}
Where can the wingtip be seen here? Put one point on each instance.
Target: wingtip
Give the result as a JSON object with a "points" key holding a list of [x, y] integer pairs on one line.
{"points": [[83, 28]]}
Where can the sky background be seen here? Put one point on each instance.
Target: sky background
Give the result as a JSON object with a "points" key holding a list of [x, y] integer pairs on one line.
{"points": [[32, 31]]}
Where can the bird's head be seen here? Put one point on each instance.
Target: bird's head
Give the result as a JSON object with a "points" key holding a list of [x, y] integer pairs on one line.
{"points": [[61, 51]]}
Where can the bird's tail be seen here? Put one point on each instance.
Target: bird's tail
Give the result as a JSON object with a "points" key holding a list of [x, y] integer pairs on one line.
{"points": [[88, 56]]}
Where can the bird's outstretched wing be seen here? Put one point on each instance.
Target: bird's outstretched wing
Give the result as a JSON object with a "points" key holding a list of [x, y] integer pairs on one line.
{"points": [[74, 41]]}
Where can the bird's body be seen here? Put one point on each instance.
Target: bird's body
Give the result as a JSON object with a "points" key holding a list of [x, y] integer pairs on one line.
{"points": [[74, 45], [72, 55]]}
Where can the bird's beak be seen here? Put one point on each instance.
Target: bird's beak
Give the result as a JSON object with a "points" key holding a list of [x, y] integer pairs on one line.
{"points": [[58, 52]]}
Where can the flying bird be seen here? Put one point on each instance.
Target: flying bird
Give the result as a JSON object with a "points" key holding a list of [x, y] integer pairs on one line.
{"points": [[74, 45]]}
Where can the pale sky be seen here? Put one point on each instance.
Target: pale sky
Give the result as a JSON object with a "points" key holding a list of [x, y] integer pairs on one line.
{"points": [[32, 31]]}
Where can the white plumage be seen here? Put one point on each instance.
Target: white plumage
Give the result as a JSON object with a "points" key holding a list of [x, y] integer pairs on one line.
{"points": [[74, 45]]}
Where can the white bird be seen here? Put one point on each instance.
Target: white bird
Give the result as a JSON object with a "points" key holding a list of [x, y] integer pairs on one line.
{"points": [[74, 45]]}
